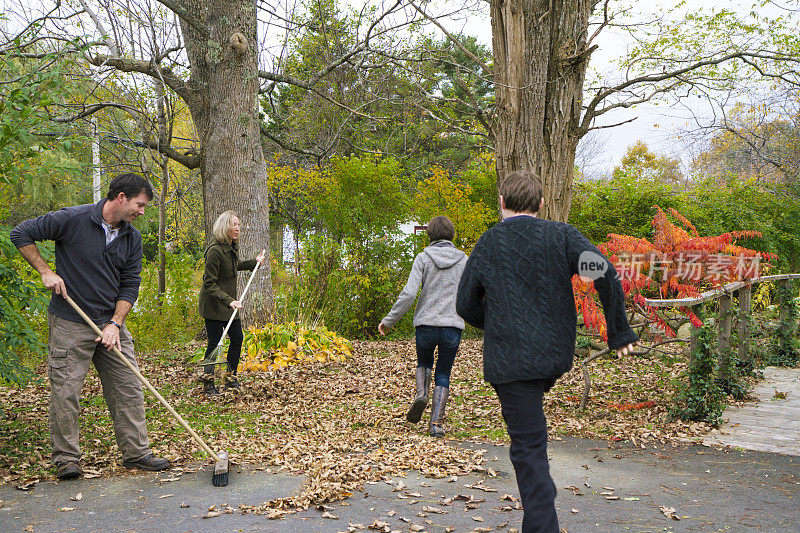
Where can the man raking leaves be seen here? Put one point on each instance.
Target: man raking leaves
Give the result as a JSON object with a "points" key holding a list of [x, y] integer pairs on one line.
{"points": [[99, 259]]}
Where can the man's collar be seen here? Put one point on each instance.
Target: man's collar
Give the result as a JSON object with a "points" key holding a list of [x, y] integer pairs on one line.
{"points": [[97, 215]]}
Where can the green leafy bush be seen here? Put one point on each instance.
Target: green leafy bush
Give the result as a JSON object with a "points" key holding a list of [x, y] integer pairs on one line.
{"points": [[623, 205], [22, 304], [172, 318], [700, 397], [348, 288]]}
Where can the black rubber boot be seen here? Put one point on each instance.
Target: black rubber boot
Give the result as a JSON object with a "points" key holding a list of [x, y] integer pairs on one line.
{"points": [[209, 389], [437, 411], [231, 382], [423, 379]]}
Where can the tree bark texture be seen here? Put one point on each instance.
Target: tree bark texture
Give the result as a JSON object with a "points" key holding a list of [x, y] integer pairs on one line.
{"points": [[540, 61], [224, 79]]}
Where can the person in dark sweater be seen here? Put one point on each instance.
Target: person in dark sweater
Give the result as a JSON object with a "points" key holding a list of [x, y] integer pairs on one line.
{"points": [[517, 287], [217, 298], [98, 262]]}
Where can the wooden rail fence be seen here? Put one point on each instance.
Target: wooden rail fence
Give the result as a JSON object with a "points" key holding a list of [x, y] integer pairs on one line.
{"points": [[725, 294]]}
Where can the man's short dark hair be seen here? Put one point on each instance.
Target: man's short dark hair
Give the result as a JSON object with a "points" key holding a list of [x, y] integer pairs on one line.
{"points": [[521, 191], [129, 184], [441, 228]]}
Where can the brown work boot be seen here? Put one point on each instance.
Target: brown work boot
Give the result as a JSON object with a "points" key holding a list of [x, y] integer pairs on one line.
{"points": [[151, 463], [69, 470]]}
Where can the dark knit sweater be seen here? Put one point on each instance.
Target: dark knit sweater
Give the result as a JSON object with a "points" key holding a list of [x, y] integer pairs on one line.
{"points": [[517, 287]]}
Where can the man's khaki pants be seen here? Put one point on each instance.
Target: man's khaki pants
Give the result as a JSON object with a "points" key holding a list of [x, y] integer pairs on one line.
{"points": [[71, 348]]}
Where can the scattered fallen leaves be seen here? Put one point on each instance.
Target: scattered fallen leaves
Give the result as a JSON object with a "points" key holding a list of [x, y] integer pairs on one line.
{"points": [[25, 487], [669, 512], [78, 497], [325, 420], [66, 509]]}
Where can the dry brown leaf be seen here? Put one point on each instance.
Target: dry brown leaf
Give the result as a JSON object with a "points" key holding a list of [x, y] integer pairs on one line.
{"points": [[669, 512]]}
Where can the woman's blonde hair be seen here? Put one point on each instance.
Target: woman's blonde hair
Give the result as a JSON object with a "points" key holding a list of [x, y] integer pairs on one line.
{"points": [[222, 226]]}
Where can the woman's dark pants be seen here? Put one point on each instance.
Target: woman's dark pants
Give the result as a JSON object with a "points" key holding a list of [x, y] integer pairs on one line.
{"points": [[214, 329], [447, 339], [521, 403]]}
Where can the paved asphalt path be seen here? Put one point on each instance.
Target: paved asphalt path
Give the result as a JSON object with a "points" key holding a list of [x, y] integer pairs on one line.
{"points": [[601, 488]]}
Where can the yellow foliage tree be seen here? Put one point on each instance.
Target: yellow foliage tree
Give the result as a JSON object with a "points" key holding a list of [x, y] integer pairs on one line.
{"points": [[439, 195], [292, 191]]}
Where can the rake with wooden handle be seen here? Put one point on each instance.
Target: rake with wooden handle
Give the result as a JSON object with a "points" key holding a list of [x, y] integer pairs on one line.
{"points": [[213, 358], [220, 476]]}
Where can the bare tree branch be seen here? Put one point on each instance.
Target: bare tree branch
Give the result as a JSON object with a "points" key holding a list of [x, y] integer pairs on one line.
{"points": [[177, 7]]}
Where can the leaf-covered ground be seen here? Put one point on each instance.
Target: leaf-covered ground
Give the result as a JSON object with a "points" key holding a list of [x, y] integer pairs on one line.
{"points": [[341, 423]]}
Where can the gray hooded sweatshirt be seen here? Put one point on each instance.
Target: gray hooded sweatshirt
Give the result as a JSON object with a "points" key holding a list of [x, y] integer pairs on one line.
{"points": [[437, 270]]}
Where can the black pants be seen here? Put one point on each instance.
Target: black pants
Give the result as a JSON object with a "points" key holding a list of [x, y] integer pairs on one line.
{"points": [[214, 329], [521, 403]]}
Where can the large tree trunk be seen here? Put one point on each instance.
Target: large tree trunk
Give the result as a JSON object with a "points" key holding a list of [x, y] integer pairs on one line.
{"points": [[225, 76], [539, 63]]}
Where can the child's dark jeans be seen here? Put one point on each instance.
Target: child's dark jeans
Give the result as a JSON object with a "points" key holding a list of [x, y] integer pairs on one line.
{"points": [[447, 339], [521, 403]]}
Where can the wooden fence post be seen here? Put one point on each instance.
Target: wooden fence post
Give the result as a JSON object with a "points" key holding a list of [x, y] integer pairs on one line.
{"points": [[725, 367], [784, 301], [743, 322]]}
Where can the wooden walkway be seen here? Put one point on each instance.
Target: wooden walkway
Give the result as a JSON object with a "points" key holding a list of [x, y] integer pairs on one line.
{"points": [[771, 424]]}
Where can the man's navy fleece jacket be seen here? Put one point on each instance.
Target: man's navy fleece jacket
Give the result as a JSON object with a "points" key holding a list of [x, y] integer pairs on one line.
{"points": [[96, 275], [517, 287]]}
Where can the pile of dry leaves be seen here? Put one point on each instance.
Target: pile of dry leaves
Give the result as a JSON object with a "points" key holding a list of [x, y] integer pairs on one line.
{"points": [[342, 423]]}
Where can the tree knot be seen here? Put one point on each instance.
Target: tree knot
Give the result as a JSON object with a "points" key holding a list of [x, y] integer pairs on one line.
{"points": [[238, 43]]}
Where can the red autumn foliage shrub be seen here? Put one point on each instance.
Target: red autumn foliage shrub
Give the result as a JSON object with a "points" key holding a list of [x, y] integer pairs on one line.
{"points": [[677, 263]]}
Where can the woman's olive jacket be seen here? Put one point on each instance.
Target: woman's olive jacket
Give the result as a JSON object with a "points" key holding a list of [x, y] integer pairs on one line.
{"points": [[219, 280]]}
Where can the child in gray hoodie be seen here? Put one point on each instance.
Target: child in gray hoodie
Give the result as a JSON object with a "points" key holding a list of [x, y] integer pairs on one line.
{"points": [[437, 270]]}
